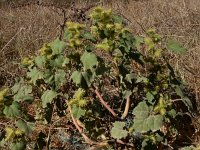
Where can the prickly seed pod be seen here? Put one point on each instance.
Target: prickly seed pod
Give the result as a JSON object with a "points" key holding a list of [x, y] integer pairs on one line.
{"points": [[27, 61], [163, 111], [10, 133], [156, 108], [82, 102], [3, 94], [109, 26], [45, 50], [79, 93], [72, 26], [18, 132]]}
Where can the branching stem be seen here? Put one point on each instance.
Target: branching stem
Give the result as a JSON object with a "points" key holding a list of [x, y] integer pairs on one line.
{"points": [[104, 103], [86, 138]]}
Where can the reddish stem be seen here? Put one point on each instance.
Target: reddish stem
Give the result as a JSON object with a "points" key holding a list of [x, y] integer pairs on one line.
{"points": [[86, 138], [104, 103]]}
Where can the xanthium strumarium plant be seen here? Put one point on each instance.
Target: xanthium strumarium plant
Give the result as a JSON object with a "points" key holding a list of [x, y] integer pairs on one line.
{"points": [[90, 76]]}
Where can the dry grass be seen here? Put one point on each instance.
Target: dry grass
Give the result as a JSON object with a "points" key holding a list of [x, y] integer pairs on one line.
{"points": [[24, 30]]}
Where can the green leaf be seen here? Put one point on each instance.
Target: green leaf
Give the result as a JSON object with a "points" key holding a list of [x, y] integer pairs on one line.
{"points": [[60, 61], [145, 143], [57, 46], [143, 121], [138, 41], [18, 146], [184, 98], [77, 111], [57, 62], [12, 110], [117, 19], [142, 79], [89, 48], [153, 123], [172, 113], [47, 97], [159, 137], [60, 78], [179, 92], [88, 36], [189, 148], [126, 94], [187, 103], [149, 42], [117, 131], [35, 74], [65, 62], [88, 77], [141, 110], [24, 126], [24, 93], [130, 77], [67, 35], [40, 61], [48, 76], [149, 96], [76, 77], [174, 46], [17, 85], [89, 60]]}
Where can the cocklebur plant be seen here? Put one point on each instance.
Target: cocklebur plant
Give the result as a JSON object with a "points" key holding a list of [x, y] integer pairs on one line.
{"points": [[69, 77]]}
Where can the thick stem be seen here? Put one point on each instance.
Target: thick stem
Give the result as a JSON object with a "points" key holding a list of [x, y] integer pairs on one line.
{"points": [[104, 103], [86, 138], [128, 101]]}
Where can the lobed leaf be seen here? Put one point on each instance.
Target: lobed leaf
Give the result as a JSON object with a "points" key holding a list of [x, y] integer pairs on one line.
{"points": [[174, 46], [89, 36], [149, 97], [78, 111], [26, 127], [18, 146], [35, 74], [40, 61], [76, 77], [143, 121], [60, 78], [141, 110], [57, 46], [89, 60], [117, 131], [24, 93], [13, 110], [48, 97], [151, 123]]}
